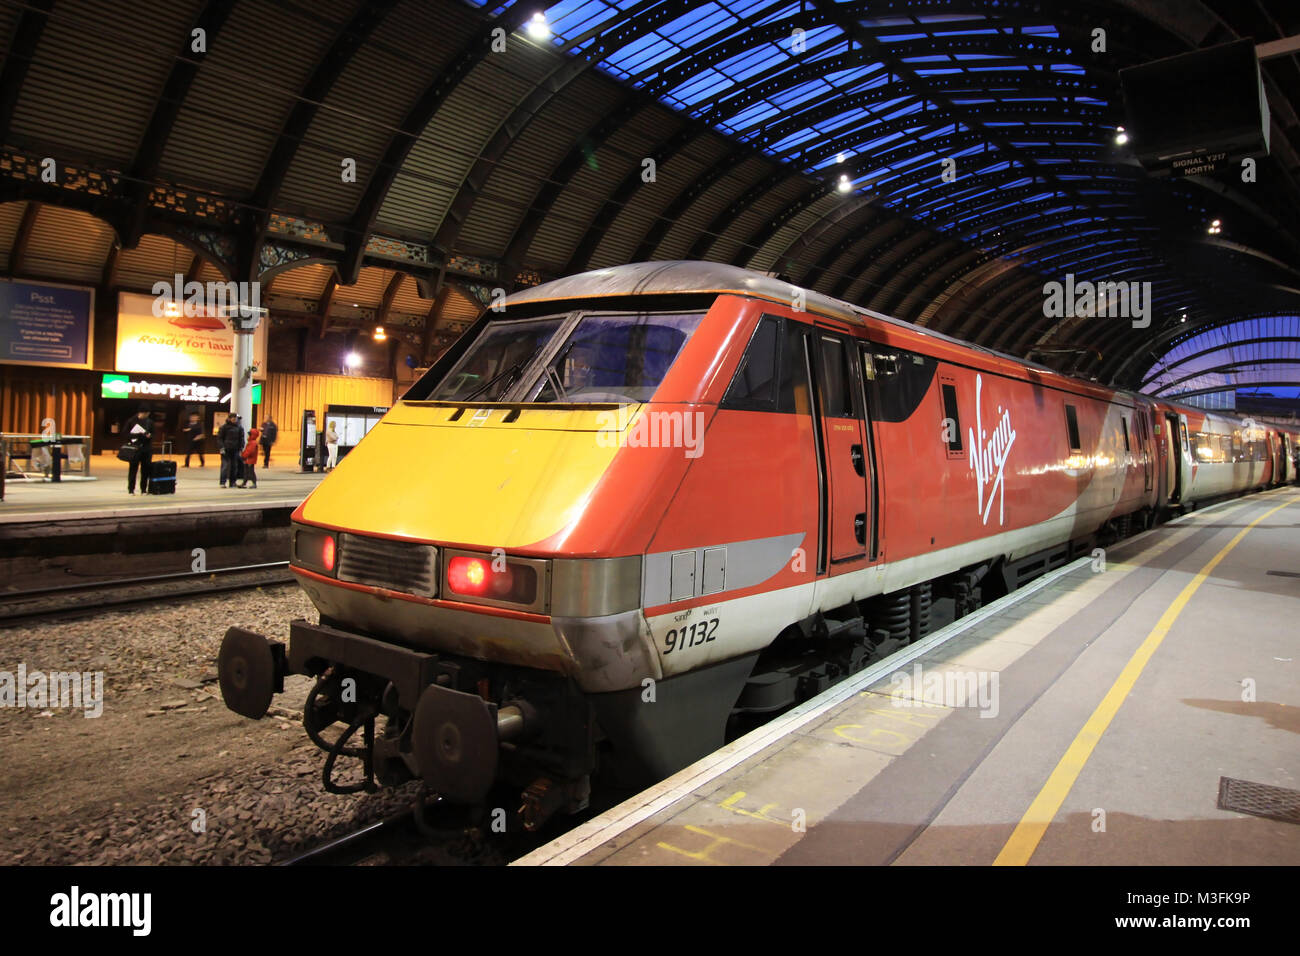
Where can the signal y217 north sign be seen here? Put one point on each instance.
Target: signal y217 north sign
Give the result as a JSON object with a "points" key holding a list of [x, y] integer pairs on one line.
{"points": [[43, 324]]}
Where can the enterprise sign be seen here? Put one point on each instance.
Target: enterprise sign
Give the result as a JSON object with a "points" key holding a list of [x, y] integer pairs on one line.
{"points": [[122, 386]]}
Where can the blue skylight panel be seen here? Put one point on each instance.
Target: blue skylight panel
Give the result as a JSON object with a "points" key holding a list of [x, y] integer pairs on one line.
{"points": [[744, 65], [846, 78], [698, 24], [752, 115], [788, 99], [640, 55], [907, 110], [793, 140], [709, 85], [575, 17], [777, 12], [951, 18]]}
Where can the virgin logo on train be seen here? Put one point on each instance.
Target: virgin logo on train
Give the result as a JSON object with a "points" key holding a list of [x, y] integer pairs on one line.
{"points": [[989, 454]]}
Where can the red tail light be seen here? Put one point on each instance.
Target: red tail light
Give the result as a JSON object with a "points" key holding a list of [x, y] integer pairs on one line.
{"points": [[492, 579], [468, 575], [315, 550]]}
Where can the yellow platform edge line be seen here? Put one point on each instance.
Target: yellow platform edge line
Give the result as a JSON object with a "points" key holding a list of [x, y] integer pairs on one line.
{"points": [[1029, 831]]}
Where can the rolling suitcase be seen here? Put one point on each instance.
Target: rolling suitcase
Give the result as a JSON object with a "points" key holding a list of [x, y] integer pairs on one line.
{"points": [[162, 476]]}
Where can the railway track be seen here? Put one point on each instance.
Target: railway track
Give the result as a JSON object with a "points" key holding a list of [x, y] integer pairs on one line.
{"points": [[85, 598], [430, 833]]}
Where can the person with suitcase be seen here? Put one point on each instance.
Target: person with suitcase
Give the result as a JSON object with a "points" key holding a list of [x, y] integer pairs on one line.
{"points": [[250, 459], [140, 436], [231, 439]]}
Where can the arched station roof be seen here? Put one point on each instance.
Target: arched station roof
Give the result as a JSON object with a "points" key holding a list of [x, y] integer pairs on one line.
{"points": [[446, 142]]}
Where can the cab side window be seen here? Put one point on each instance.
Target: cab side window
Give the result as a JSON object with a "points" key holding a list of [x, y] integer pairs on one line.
{"points": [[773, 374], [756, 383]]}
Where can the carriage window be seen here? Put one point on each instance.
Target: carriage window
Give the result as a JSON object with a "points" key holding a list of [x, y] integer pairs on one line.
{"points": [[1211, 447], [755, 383], [1123, 424], [1072, 428]]}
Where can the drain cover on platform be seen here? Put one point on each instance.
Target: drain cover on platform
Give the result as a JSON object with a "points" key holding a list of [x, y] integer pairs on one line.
{"points": [[1259, 799]]}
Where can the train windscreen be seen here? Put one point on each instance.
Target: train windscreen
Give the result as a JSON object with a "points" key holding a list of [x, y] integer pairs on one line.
{"points": [[494, 363], [613, 358], [582, 357]]}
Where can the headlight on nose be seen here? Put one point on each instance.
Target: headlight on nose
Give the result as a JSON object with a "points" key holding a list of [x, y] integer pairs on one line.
{"points": [[497, 580]]}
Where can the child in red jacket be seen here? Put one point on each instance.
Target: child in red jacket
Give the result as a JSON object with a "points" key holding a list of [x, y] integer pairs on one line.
{"points": [[249, 456]]}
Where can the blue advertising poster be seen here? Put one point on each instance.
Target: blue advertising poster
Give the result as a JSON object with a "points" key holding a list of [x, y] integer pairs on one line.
{"points": [[43, 324]]}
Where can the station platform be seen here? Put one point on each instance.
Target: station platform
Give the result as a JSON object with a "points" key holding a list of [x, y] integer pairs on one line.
{"points": [[67, 534], [1123, 710], [197, 489]]}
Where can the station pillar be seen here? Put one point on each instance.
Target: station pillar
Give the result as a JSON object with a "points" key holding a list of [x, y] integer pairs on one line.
{"points": [[243, 322]]}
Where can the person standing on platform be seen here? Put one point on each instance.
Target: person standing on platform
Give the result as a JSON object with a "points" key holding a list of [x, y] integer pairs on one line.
{"points": [[332, 446], [231, 439], [269, 431], [139, 432], [250, 459], [193, 431]]}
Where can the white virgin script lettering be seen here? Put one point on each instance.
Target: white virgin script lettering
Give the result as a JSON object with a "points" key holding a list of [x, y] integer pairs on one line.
{"points": [[989, 458]]}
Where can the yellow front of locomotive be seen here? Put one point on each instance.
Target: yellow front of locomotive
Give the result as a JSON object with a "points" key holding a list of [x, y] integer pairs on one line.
{"points": [[478, 582]]}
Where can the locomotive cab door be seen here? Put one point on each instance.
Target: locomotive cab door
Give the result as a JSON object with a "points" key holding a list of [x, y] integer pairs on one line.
{"points": [[845, 448]]}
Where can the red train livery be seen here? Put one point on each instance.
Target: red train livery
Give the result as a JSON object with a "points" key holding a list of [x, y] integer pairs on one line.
{"points": [[641, 503]]}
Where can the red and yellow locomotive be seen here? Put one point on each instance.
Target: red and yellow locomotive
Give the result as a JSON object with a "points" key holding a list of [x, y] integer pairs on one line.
{"points": [[638, 502]]}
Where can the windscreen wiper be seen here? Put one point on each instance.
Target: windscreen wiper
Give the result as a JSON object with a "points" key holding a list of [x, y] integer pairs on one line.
{"points": [[554, 379], [513, 373]]}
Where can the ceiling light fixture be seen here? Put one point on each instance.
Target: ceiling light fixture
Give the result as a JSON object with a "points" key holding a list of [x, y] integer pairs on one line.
{"points": [[538, 28]]}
